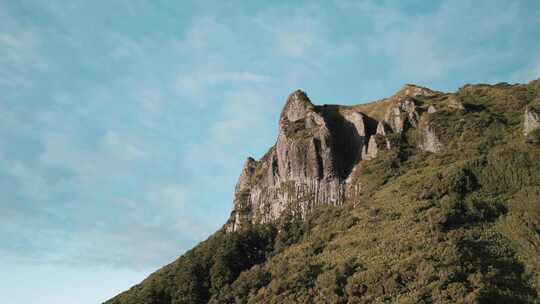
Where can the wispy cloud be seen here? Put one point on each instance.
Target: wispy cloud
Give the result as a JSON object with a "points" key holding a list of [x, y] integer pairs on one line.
{"points": [[20, 55], [122, 147], [295, 39], [112, 127], [208, 45], [199, 80], [435, 45]]}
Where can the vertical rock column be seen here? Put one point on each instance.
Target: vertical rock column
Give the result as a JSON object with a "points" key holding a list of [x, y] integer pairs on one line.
{"points": [[531, 120]]}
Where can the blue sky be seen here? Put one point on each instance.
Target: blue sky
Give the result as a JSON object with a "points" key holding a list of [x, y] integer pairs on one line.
{"points": [[124, 124]]}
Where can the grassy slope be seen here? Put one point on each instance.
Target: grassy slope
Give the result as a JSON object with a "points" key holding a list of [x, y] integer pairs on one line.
{"points": [[462, 226]]}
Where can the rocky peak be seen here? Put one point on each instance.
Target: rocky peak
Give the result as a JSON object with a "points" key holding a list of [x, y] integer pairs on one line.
{"points": [[470, 213], [412, 90], [246, 174], [303, 148], [296, 106], [401, 114], [317, 149]]}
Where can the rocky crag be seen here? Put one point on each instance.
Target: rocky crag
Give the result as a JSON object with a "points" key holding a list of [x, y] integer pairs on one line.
{"points": [[320, 147], [422, 197]]}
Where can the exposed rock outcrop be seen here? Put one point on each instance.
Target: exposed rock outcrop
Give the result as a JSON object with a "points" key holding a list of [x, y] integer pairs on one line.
{"points": [[531, 120], [371, 150], [402, 112], [429, 141], [412, 90], [377, 142], [461, 227], [302, 169], [317, 149]]}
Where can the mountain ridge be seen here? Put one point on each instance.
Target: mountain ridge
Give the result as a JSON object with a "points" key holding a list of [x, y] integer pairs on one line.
{"points": [[319, 146], [422, 197]]}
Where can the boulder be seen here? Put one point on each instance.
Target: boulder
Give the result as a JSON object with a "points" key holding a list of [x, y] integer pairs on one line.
{"points": [[429, 140], [531, 120]]}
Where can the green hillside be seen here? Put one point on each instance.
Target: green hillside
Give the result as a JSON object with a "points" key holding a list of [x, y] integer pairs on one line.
{"points": [[459, 226]]}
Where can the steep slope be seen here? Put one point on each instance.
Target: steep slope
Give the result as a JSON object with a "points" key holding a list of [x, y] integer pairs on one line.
{"points": [[423, 197]]}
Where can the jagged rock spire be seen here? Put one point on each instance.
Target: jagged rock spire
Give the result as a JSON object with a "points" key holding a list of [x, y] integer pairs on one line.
{"points": [[296, 106], [316, 150]]}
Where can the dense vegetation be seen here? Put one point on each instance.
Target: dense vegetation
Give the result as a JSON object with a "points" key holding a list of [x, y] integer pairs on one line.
{"points": [[461, 226]]}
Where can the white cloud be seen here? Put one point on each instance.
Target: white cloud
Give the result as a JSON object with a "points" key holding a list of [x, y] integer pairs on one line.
{"points": [[208, 44], [19, 56], [295, 40], [20, 51], [120, 146], [239, 77], [245, 112], [190, 85], [33, 184], [159, 221], [203, 35], [296, 36], [60, 151], [91, 164], [116, 246], [173, 195], [426, 47], [149, 99], [124, 47], [199, 80]]}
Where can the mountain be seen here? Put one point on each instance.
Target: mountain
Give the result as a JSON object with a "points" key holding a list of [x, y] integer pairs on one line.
{"points": [[422, 197]]}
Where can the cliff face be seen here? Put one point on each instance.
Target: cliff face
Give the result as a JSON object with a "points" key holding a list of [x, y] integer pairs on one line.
{"points": [[319, 147]]}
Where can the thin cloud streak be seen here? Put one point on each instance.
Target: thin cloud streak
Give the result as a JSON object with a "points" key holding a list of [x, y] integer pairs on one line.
{"points": [[116, 129]]}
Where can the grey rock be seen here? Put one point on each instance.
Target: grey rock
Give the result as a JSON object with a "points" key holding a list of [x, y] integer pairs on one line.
{"points": [[359, 140], [299, 173], [429, 142], [372, 149], [531, 120], [304, 147], [317, 151], [245, 176], [374, 146], [381, 128], [401, 114], [415, 91]]}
